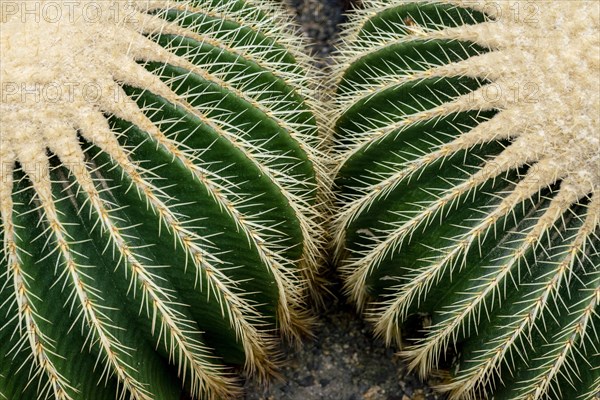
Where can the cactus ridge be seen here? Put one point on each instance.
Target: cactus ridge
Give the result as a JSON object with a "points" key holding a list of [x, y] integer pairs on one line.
{"points": [[467, 189], [172, 219]]}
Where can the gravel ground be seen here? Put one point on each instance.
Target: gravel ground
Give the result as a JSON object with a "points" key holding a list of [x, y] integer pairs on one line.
{"points": [[344, 361], [319, 20]]}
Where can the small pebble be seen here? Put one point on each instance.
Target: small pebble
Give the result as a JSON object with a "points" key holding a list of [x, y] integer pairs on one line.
{"points": [[307, 381]]}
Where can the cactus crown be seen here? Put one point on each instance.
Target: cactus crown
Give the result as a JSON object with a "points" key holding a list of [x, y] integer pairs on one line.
{"points": [[468, 188], [157, 199]]}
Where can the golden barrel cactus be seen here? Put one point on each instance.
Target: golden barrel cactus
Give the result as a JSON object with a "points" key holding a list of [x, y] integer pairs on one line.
{"points": [[467, 139], [158, 197]]}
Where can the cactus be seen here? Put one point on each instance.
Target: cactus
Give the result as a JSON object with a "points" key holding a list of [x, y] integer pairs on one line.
{"points": [[468, 190], [158, 197]]}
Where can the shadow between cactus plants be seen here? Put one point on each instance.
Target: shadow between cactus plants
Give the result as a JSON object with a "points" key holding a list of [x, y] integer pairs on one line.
{"points": [[468, 189], [158, 198]]}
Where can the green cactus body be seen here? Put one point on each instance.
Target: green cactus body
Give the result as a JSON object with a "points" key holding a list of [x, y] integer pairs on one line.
{"points": [[468, 189], [158, 197]]}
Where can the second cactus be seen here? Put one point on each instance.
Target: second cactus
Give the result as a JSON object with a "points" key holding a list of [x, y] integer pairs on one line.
{"points": [[468, 190]]}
